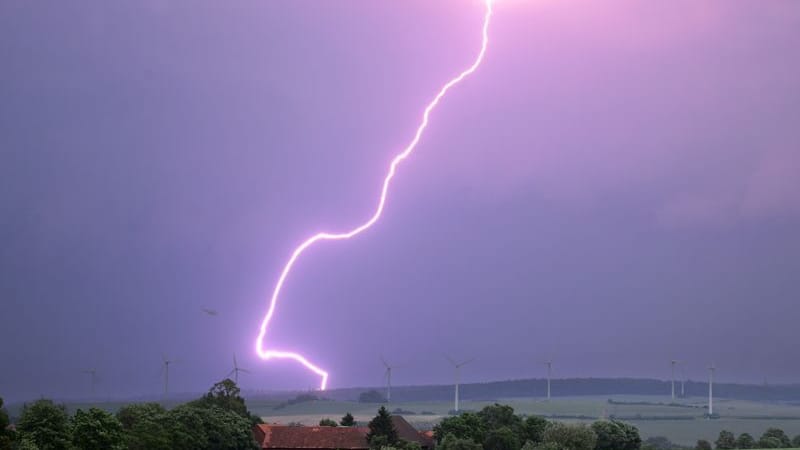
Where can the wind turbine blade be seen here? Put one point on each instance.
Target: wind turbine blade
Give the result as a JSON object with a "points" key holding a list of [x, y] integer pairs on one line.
{"points": [[235, 365], [230, 373], [384, 362], [243, 370], [466, 362], [451, 360]]}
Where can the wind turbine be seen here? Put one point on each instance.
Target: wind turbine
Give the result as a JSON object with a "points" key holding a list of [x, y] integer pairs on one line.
{"points": [[93, 376], [672, 364], [458, 375], [165, 370], [388, 380], [711, 370], [549, 373], [236, 370], [683, 382]]}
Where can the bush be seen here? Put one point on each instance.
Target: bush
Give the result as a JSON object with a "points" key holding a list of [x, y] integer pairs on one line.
{"points": [[703, 444], [328, 423], [726, 440], [347, 420], [745, 441], [450, 442], [658, 443], [774, 438], [570, 436], [613, 435]]}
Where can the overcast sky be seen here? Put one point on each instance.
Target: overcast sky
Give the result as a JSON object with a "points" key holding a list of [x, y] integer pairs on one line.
{"points": [[618, 185]]}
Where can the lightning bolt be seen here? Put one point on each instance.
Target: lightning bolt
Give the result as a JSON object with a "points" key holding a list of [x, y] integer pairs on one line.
{"points": [[267, 354]]}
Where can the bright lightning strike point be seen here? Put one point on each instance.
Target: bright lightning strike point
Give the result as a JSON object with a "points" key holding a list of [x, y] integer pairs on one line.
{"points": [[267, 354]]}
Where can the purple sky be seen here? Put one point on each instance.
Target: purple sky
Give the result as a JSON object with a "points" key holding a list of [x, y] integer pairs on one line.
{"points": [[618, 185]]}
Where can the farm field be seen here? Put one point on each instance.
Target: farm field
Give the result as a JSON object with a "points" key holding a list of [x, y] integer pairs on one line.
{"points": [[653, 415]]}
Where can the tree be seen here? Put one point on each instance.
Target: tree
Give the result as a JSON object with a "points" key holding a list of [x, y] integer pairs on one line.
{"points": [[796, 441], [451, 442], [45, 424], [96, 429], [745, 441], [464, 426], [613, 435], [569, 436], [145, 426], [532, 429], [328, 423], [210, 428], [6, 436], [372, 396], [347, 420], [658, 443], [225, 395], [497, 416], [777, 434], [703, 444], [503, 438], [726, 440], [769, 442], [381, 425]]}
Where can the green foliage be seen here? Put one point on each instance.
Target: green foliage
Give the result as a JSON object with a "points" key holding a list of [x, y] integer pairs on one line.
{"points": [[503, 438], [658, 443], [464, 426], [372, 396], [613, 435], [347, 420], [532, 429], [46, 425], [569, 436], [381, 425], [745, 441], [726, 440], [703, 444], [796, 441], [145, 426], [214, 428], [328, 423], [451, 442], [774, 438], [96, 429], [6, 436], [497, 416]]}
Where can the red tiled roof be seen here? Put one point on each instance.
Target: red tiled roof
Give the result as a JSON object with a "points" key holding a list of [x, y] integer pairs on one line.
{"points": [[408, 433], [287, 437]]}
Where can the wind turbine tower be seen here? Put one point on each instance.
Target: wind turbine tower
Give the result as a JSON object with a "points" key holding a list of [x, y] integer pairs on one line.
{"points": [[388, 380], [458, 366], [236, 370], [93, 377], [549, 374], [165, 369], [672, 363], [711, 370]]}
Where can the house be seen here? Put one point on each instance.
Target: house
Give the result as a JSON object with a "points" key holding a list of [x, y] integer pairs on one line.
{"points": [[285, 437]]}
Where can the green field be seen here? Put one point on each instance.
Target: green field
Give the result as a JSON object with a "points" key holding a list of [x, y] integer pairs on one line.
{"points": [[681, 424]]}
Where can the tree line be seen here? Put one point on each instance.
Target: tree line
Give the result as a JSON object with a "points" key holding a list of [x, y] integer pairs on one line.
{"points": [[218, 420]]}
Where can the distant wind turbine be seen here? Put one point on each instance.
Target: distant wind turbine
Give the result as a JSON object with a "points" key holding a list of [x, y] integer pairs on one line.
{"points": [[711, 370], [165, 370], [672, 364], [458, 366], [388, 380], [549, 374], [93, 378], [236, 370], [210, 312]]}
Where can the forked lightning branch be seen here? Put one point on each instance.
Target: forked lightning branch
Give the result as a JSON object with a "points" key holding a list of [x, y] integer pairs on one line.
{"points": [[261, 345]]}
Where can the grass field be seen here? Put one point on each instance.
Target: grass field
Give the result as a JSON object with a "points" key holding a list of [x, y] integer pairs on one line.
{"points": [[681, 424]]}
